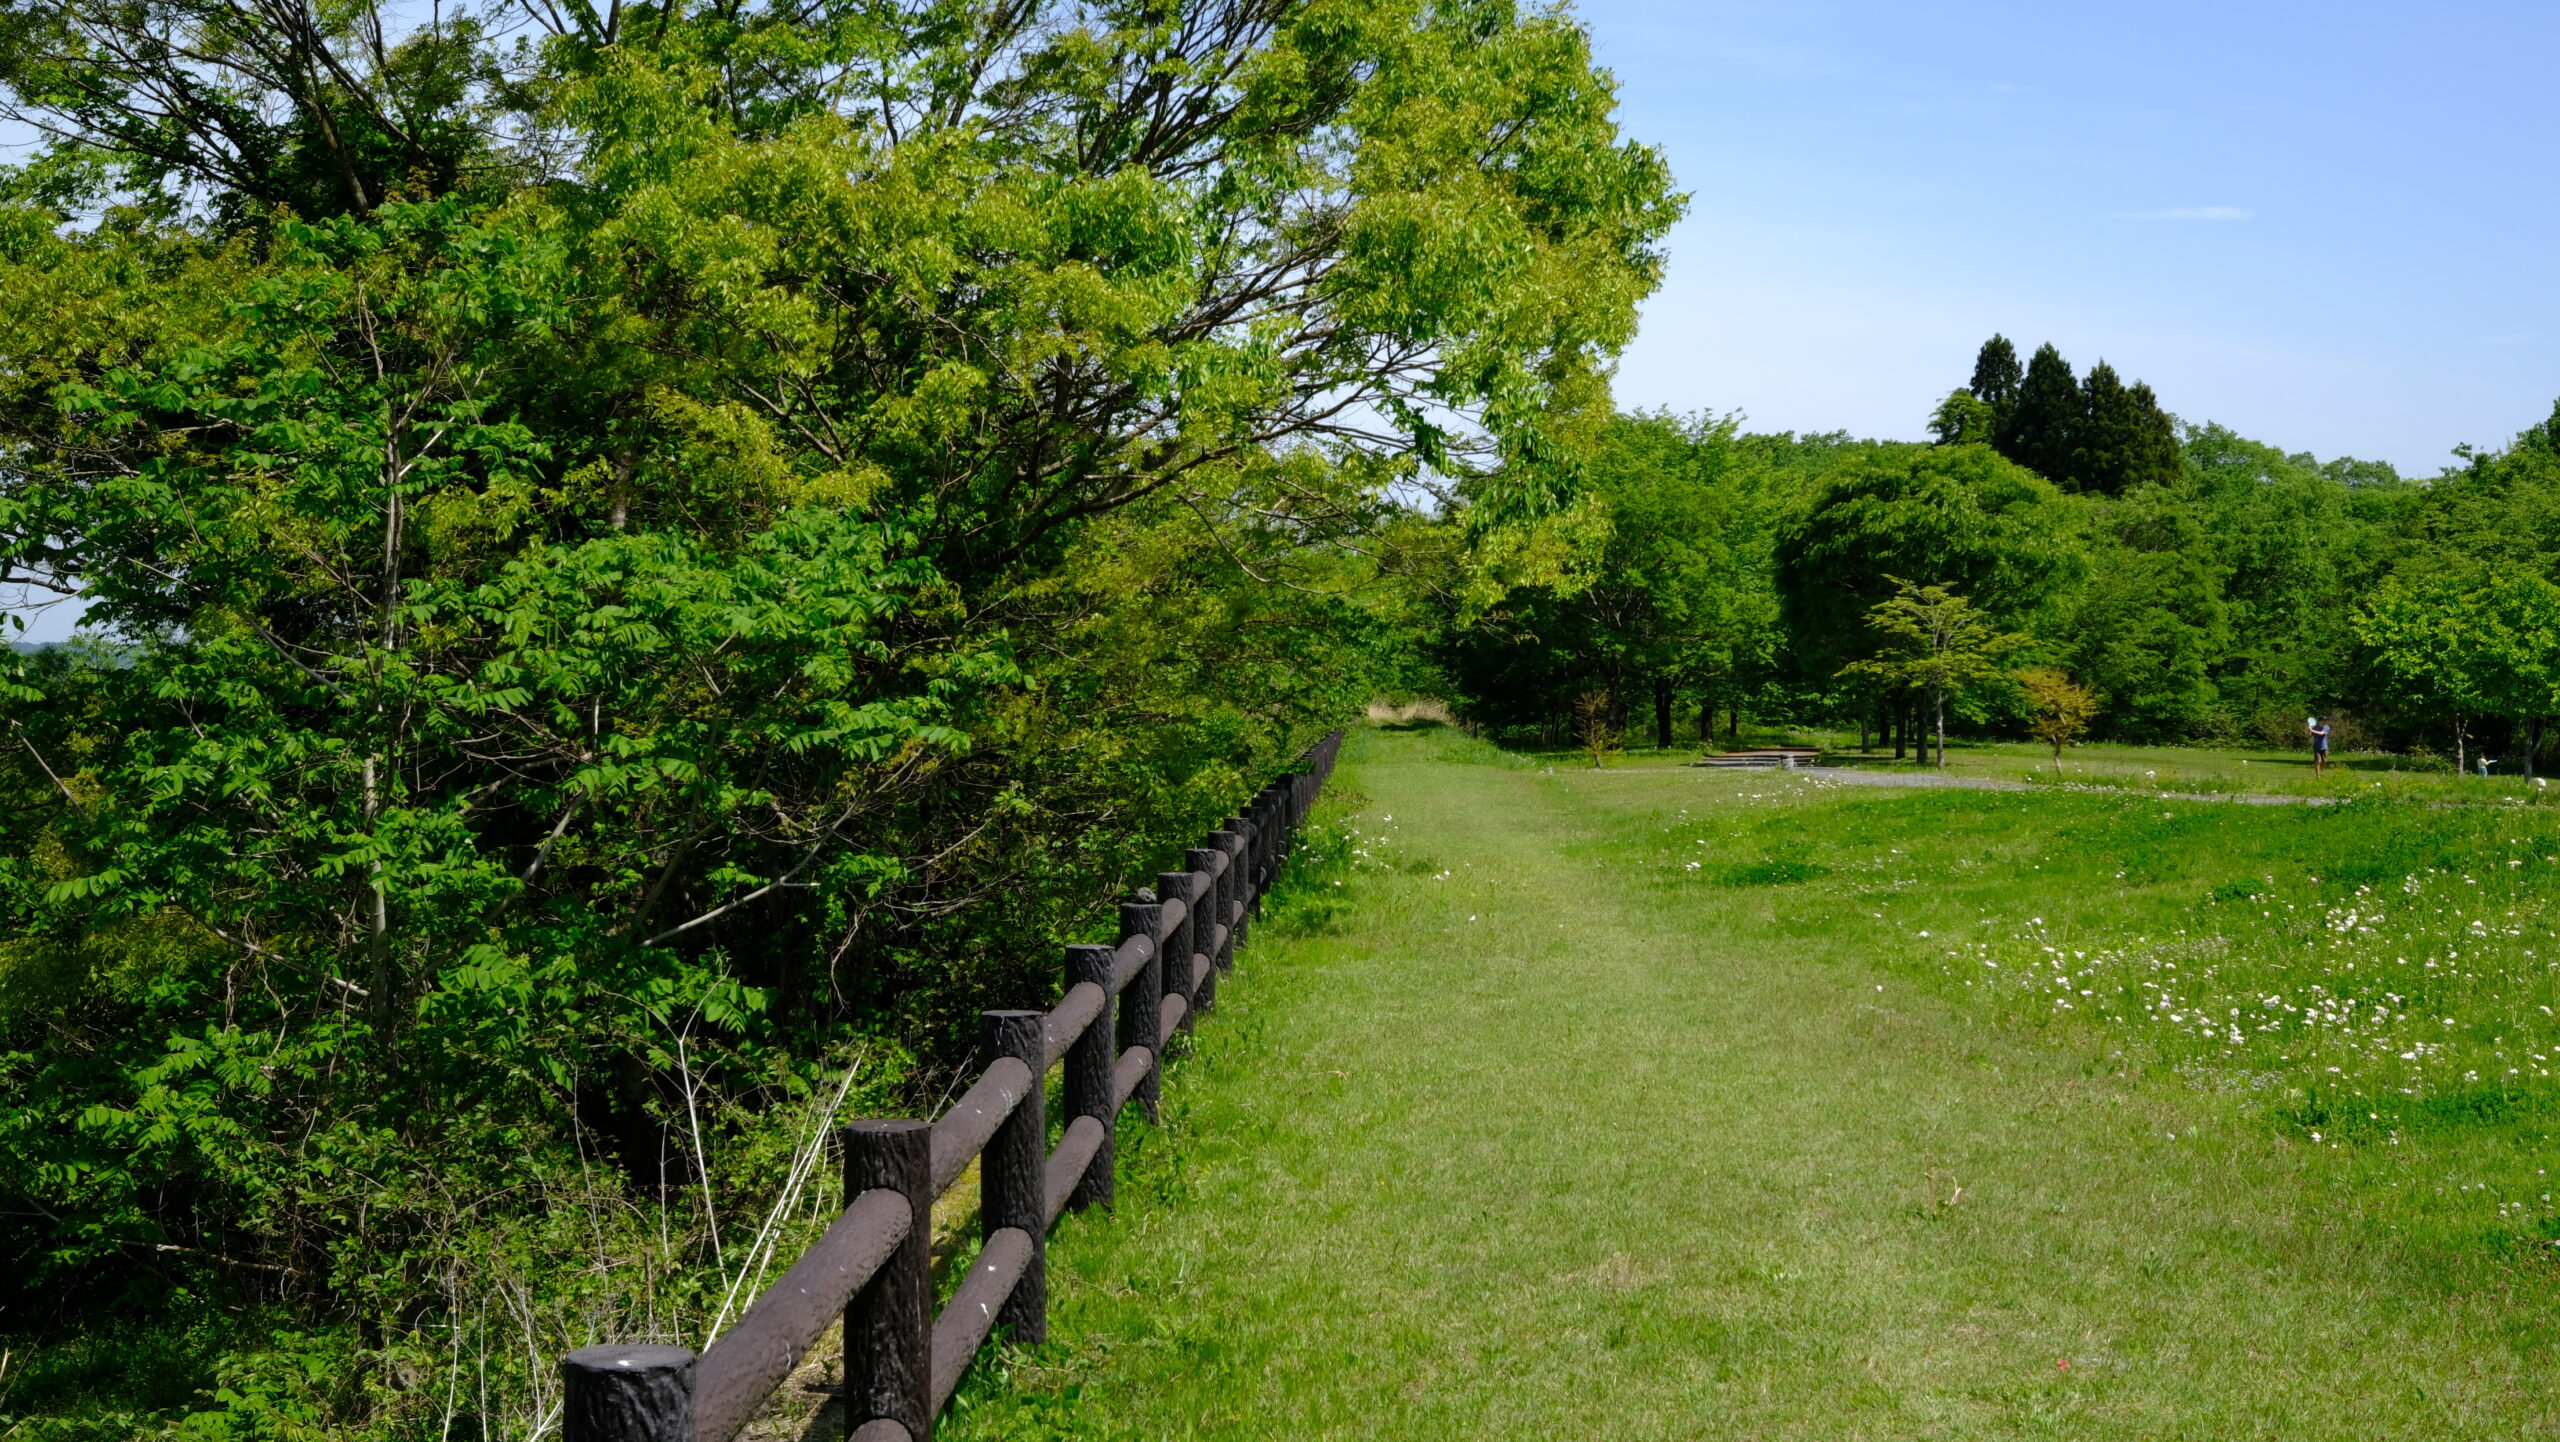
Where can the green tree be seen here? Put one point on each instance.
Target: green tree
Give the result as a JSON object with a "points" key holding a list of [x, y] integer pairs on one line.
{"points": [[2420, 638], [2153, 457], [241, 110], [2296, 551], [1675, 601], [2059, 709], [1996, 375], [1973, 413], [2123, 439], [1936, 643], [725, 553], [1958, 515], [2500, 506], [2487, 648], [2149, 627], [1964, 419], [2040, 430]]}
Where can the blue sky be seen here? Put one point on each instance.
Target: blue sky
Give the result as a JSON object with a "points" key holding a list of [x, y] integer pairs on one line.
{"points": [[2331, 227]]}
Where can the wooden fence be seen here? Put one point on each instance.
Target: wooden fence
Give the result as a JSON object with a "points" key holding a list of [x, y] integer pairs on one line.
{"points": [[874, 1263]]}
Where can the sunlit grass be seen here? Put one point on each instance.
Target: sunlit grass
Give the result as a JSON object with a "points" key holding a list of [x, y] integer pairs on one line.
{"points": [[2378, 973], [1665, 1103]]}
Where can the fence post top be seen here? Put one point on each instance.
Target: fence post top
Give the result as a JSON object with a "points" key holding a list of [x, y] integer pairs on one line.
{"points": [[1012, 1015], [643, 1357], [892, 1126]]}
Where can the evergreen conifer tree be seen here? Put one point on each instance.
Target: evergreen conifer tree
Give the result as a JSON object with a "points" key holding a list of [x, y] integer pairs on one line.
{"points": [[2109, 436], [2155, 441], [2038, 429], [1996, 374]]}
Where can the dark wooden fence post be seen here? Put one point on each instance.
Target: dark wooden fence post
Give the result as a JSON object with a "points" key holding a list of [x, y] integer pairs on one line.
{"points": [[627, 1394], [1240, 856], [1142, 1005], [1182, 941], [1013, 1173], [1204, 932], [1266, 815], [1222, 844], [888, 1326], [1248, 880], [1087, 1082]]}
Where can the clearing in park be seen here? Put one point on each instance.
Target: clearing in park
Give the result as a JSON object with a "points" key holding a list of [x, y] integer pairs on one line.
{"points": [[1660, 1102]]}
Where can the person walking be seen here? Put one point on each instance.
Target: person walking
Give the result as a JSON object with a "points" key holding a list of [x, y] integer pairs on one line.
{"points": [[2319, 743]]}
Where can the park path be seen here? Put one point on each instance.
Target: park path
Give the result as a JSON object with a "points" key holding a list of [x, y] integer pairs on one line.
{"points": [[1525, 1145]]}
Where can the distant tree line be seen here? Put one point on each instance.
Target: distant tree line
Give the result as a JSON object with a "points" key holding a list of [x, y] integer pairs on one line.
{"points": [[2195, 584]]}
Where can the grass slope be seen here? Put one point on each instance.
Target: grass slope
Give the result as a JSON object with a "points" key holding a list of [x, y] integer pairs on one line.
{"points": [[1544, 1130]]}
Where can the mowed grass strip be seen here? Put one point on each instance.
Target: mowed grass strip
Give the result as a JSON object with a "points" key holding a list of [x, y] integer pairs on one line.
{"points": [[1527, 1139]]}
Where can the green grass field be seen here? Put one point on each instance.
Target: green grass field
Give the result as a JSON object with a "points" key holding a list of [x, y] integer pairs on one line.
{"points": [[1658, 1102]]}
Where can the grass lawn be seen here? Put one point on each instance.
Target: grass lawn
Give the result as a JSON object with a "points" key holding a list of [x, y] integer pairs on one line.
{"points": [[1659, 1102]]}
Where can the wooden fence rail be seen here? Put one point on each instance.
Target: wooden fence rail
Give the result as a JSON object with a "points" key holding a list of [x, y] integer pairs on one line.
{"points": [[873, 1265]]}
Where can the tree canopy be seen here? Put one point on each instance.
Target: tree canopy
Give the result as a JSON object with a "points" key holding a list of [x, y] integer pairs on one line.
{"points": [[641, 559]]}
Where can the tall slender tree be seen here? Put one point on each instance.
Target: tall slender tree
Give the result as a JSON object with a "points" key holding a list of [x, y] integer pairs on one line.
{"points": [[1934, 642], [2125, 439], [1996, 374], [2155, 455], [2039, 428], [2109, 434]]}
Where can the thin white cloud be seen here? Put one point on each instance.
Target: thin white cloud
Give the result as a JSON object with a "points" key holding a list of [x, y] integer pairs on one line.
{"points": [[2189, 212]]}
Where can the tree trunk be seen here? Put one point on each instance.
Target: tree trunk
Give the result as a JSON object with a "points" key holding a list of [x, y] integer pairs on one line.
{"points": [[2461, 758], [2532, 743], [1733, 725], [1662, 712], [1707, 721], [1894, 722], [1864, 730], [1938, 708]]}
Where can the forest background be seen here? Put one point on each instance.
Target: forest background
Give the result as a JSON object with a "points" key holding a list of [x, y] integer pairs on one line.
{"points": [[645, 563]]}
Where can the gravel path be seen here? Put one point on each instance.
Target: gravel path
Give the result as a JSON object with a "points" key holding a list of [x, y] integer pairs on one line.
{"points": [[1857, 777]]}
